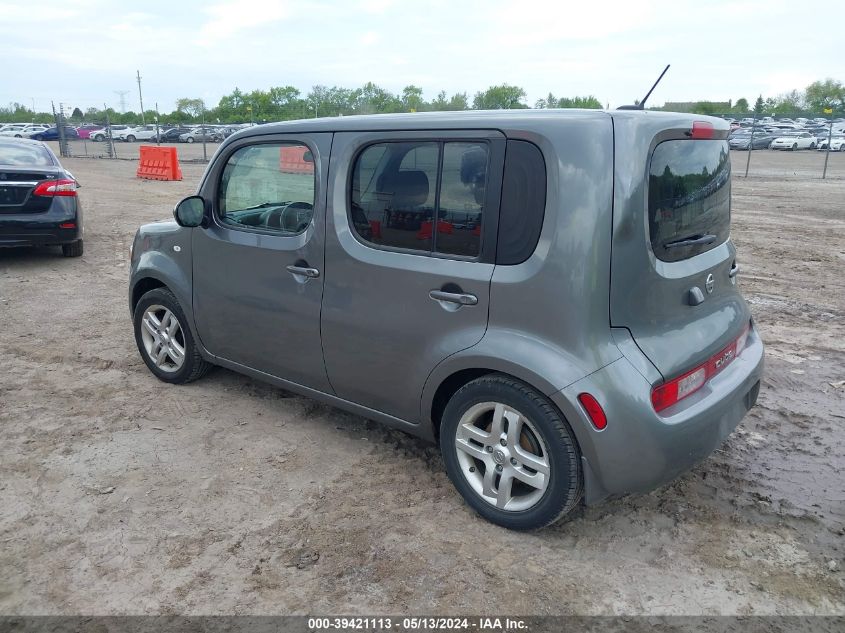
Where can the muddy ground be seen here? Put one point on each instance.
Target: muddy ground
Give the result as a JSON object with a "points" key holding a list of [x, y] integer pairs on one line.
{"points": [[122, 495]]}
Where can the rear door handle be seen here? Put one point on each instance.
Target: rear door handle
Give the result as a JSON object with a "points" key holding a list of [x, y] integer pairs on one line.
{"points": [[303, 271], [457, 298]]}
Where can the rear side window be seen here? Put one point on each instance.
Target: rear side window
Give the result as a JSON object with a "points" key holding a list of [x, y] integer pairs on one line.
{"points": [[422, 196], [523, 203], [689, 198]]}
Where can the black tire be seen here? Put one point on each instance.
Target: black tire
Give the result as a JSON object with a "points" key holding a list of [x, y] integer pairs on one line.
{"points": [[38, 137], [130, 139], [565, 485], [99, 138], [812, 146], [190, 139], [193, 366], [74, 249], [794, 146]]}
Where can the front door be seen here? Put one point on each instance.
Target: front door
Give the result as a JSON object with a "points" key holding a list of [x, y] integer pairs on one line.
{"points": [[258, 266], [409, 256]]}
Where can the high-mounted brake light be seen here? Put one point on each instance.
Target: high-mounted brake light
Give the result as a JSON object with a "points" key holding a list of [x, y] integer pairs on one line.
{"points": [[701, 130], [669, 393], [594, 410], [49, 188]]}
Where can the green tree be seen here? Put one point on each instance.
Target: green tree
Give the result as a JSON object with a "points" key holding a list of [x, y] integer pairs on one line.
{"points": [[459, 101], [192, 107], [789, 103], [550, 101], [589, 102], [504, 97], [412, 99], [77, 114], [741, 106], [820, 95], [372, 99], [759, 105]]}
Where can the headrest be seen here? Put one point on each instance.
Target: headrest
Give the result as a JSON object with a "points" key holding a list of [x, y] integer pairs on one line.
{"points": [[409, 188]]}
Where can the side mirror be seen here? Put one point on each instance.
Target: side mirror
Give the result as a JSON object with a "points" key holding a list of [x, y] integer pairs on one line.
{"points": [[190, 212]]}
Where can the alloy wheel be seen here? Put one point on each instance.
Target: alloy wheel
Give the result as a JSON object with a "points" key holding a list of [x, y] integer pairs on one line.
{"points": [[163, 338], [502, 456]]}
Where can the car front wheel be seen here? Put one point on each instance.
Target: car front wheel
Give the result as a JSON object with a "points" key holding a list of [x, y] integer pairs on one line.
{"points": [[190, 139], [164, 339], [510, 453], [130, 139]]}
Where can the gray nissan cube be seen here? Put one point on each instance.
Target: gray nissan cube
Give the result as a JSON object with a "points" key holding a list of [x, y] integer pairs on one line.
{"points": [[550, 295]]}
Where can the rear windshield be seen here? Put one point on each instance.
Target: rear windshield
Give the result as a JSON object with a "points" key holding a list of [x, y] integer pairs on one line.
{"points": [[16, 153], [689, 198]]}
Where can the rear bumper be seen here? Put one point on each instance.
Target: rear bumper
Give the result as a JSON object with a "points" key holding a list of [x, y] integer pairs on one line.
{"points": [[43, 229], [640, 449]]}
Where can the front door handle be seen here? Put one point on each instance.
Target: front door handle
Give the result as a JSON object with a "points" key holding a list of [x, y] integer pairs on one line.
{"points": [[303, 271], [457, 298]]}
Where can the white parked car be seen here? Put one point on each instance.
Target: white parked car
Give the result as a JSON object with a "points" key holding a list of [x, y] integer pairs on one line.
{"points": [[837, 144], [140, 133], [801, 140], [116, 131], [22, 130]]}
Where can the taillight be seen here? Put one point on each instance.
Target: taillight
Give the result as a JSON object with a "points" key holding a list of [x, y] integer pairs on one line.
{"points": [[594, 410], [669, 393], [63, 187], [701, 130]]}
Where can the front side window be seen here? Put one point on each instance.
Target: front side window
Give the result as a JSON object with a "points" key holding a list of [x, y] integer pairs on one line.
{"points": [[689, 198], [268, 187], [422, 196]]}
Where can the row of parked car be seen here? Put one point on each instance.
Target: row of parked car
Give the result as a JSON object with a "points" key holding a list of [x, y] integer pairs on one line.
{"points": [[126, 133], [788, 134]]}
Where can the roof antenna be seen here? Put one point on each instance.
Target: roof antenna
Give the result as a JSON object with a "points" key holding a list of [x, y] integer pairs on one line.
{"points": [[641, 104]]}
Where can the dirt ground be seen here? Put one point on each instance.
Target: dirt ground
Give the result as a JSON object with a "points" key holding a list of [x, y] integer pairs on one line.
{"points": [[123, 495]]}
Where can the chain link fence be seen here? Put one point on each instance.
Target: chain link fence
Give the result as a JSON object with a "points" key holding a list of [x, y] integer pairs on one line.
{"points": [[802, 146]]}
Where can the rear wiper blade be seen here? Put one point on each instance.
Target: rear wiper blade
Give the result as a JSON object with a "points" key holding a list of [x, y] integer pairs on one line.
{"points": [[691, 240]]}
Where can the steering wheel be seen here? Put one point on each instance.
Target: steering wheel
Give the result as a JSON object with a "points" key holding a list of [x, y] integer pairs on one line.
{"points": [[293, 217]]}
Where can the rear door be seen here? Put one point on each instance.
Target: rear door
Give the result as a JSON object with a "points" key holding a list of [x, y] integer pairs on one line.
{"points": [[410, 247], [674, 283]]}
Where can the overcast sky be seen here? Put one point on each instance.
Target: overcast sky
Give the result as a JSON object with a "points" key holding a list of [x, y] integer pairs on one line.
{"points": [[81, 51]]}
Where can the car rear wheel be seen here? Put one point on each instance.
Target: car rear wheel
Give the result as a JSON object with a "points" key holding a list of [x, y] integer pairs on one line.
{"points": [[130, 139], [510, 454], [165, 340], [812, 146], [794, 146], [74, 249], [99, 137]]}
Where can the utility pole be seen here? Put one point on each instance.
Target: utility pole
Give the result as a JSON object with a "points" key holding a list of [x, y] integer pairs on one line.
{"points": [[140, 97], [158, 131], [829, 141]]}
